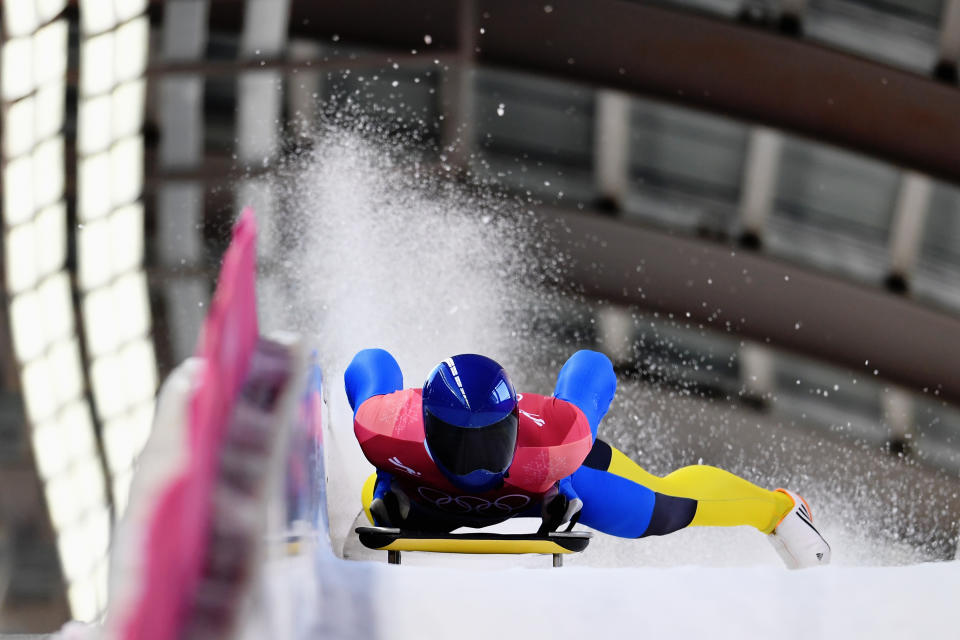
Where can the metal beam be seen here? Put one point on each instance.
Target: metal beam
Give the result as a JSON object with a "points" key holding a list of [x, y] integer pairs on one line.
{"points": [[178, 237], [304, 88], [611, 147], [761, 298], [259, 111], [747, 73], [457, 89], [760, 174], [897, 406], [615, 334], [909, 218], [949, 45], [785, 83], [757, 373], [792, 13]]}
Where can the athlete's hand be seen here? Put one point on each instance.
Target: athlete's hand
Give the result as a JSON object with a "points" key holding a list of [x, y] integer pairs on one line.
{"points": [[390, 505], [560, 505]]}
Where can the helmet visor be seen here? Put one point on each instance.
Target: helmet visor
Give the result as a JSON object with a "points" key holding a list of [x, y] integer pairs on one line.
{"points": [[462, 450]]}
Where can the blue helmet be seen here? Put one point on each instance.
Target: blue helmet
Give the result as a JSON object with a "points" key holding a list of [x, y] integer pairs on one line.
{"points": [[470, 416]]}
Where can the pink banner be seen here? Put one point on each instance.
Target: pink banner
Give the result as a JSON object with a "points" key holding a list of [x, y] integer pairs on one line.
{"points": [[178, 529]]}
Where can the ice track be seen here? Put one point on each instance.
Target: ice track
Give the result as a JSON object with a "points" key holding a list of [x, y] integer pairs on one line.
{"points": [[310, 581], [373, 600], [483, 597]]}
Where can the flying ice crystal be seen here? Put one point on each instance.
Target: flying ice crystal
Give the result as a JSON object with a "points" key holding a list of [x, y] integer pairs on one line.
{"points": [[501, 109]]}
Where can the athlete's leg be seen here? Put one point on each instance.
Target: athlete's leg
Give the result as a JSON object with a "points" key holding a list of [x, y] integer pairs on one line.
{"points": [[727, 500], [722, 499], [621, 507], [587, 380]]}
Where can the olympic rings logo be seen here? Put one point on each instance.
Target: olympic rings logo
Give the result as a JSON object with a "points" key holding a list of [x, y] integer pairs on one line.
{"points": [[473, 504]]}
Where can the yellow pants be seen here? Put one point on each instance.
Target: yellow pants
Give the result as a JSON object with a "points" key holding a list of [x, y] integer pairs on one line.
{"points": [[723, 499]]}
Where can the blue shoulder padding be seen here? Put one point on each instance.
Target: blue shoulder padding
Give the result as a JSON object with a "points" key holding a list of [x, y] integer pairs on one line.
{"points": [[587, 380], [372, 372]]}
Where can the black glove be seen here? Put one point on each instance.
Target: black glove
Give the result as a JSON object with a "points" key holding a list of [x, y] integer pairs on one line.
{"points": [[390, 505], [560, 504]]}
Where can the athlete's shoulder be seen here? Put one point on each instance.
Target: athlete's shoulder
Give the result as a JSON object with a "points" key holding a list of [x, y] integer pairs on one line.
{"points": [[389, 428], [548, 421], [397, 415], [553, 439]]}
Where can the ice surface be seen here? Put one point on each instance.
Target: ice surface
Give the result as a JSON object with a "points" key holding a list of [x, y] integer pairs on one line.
{"points": [[680, 602], [484, 598]]}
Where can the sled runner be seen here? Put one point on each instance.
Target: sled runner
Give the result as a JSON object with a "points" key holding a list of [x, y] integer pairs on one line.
{"points": [[393, 541]]}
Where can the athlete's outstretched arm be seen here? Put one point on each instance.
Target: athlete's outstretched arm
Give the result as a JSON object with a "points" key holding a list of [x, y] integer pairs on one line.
{"points": [[372, 372], [587, 380]]}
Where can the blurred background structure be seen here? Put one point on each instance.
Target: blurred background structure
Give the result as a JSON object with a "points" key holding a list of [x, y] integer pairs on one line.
{"points": [[770, 184]]}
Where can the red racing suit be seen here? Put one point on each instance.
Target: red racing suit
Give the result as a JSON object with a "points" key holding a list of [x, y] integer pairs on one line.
{"points": [[553, 439]]}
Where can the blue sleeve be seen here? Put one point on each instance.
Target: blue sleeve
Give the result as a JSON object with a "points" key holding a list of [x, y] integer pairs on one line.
{"points": [[612, 504], [565, 487], [382, 486], [588, 381], [372, 372]]}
